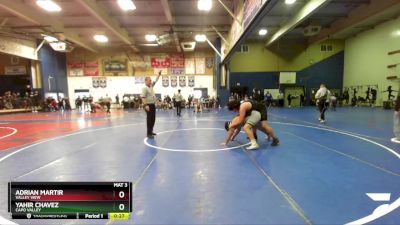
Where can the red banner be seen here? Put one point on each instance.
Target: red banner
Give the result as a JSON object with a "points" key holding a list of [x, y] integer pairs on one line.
{"points": [[161, 62], [92, 72], [75, 64], [177, 61], [91, 64]]}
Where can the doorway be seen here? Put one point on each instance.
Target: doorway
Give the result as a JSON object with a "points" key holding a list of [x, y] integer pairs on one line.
{"points": [[295, 92]]}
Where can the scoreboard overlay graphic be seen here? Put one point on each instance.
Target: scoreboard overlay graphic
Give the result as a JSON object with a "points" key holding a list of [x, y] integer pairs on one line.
{"points": [[70, 200]]}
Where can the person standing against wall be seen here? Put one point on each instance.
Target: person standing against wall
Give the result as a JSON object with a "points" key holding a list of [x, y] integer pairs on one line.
{"points": [[302, 99], [280, 98], [178, 98], [117, 99], [289, 99], [149, 104]]}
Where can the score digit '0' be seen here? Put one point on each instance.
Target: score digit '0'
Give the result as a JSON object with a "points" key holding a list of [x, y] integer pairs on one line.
{"points": [[121, 194]]}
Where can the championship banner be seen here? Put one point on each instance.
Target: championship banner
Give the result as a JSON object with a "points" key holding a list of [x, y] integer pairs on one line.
{"points": [[75, 68], [174, 81], [91, 64], [209, 62], [95, 82], [178, 71], [182, 81], [177, 60], [191, 81], [103, 82], [99, 82], [76, 72], [251, 7], [200, 65], [91, 72], [161, 62], [165, 81], [115, 66], [76, 64], [190, 67], [91, 68]]}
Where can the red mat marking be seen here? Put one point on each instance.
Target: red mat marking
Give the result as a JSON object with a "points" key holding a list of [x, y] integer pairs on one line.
{"points": [[6, 132], [58, 115], [31, 132]]}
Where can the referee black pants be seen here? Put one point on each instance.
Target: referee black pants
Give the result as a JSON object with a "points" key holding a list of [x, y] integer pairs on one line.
{"points": [[178, 108], [108, 105], [322, 106], [151, 118]]}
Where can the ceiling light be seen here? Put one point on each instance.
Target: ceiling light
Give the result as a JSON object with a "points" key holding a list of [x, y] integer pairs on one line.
{"points": [[150, 37], [149, 45], [262, 32], [49, 38], [58, 46], [48, 5], [289, 2], [200, 37], [100, 38], [204, 5], [126, 5]]}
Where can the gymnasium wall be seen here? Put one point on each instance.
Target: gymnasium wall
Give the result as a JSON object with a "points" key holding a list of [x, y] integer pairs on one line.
{"points": [[83, 55], [366, 58], [126, 84], [328, 71], [288, 56]]}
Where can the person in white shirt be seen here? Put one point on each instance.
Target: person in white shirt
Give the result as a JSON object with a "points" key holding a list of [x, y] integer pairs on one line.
{"points": [[178, 98], [322, 96], [149, 103]]}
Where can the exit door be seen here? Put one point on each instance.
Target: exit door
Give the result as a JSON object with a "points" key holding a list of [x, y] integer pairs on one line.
{"points": [[295, 92]]}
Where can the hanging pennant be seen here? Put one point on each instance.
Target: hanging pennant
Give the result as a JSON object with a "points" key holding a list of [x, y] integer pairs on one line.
{"points": [[165, 81], [182, 81], [191, 81], [190, 67], [103, 82], [200, 65], [95, 82], [174, 81], [209, 62]]}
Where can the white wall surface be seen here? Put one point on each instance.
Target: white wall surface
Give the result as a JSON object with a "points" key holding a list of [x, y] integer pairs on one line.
{"points": [[121, 85]]}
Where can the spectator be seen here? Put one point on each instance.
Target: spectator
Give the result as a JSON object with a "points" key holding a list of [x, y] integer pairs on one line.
{"points": [[117, 99], [280, 99], [302, 100], [78, 103], [268, 99], [108, 101]]}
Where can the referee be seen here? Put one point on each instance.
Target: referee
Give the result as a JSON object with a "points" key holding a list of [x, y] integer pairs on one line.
{"points": [[178, 98], [149, 103]]}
